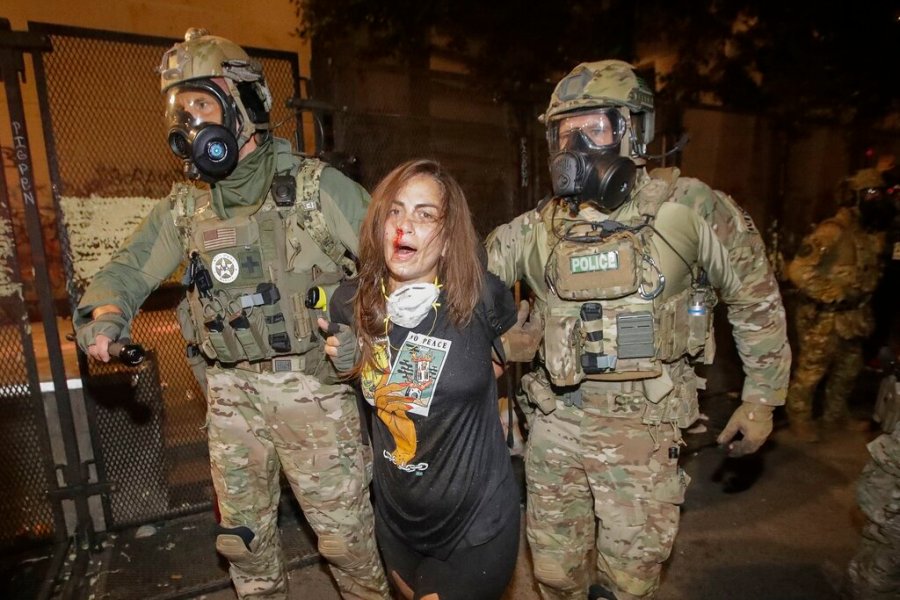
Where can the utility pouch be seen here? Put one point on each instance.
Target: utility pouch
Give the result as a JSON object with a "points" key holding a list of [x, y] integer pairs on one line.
{"points": [[223, 343], [185, 322], [247, 336], [562, 347], [687, 407], [538, 392], [278, 338], [597, 271], [670, 487], [303, 326]]}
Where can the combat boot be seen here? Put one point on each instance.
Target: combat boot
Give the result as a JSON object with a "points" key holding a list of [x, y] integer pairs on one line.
{"points": [[804, 430], [598, 592]]}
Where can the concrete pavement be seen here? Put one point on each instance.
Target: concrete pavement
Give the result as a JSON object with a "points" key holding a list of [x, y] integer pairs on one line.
{"points": [[785, 538]]}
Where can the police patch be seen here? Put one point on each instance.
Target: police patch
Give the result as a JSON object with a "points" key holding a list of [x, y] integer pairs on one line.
{"points": [[590, 263], [225, 267]]}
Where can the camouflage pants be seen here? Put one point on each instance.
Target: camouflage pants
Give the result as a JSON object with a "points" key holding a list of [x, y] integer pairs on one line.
{"points": [[262, 423], [874, 572], [821, 354], [604, 482]]}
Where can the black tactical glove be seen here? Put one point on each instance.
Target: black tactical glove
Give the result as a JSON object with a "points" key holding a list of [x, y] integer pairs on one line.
{"points": [[340, 345]]}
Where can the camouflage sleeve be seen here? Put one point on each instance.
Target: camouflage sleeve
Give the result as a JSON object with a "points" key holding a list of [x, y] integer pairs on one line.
{"points": [[506, 247], [344, 204], [147, 258], [755, 309]]}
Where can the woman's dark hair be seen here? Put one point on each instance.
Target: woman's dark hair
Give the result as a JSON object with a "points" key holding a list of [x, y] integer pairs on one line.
{"points": [[460, 268]]}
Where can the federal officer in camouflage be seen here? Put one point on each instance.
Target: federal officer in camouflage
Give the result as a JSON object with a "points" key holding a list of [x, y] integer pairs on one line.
{"points": [[262, 228], [624, 264], [837, 269], [874, 572]]}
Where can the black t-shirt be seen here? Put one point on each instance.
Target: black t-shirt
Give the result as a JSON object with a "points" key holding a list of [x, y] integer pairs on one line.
{"points": [[442, 471]]}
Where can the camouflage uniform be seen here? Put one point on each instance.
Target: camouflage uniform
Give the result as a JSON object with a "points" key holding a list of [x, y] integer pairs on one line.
{"points": [[608, 448], [874, 571], [837, 269], [274, 402]]}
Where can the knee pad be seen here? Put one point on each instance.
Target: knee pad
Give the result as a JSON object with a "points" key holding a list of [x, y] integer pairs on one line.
{"points": [[234, 542], [336, 550], [551, 573]]}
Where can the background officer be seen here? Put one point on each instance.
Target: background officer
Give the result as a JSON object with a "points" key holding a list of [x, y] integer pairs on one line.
{"points": [[836, 270], [623, 264], [263, 228]]}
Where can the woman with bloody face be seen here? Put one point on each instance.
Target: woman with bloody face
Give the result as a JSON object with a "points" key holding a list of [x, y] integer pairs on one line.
{"points": [[428, 318]]}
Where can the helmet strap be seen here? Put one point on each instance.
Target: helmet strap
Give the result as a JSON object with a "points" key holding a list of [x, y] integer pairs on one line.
{"points": [[245, 128]]}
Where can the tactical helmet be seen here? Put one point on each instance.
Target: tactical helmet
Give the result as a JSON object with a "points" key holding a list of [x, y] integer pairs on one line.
{"points": [[606, 83], [202, 57], [865, 179]]}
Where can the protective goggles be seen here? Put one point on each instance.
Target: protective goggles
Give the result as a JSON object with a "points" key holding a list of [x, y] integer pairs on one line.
{"points": [[598, 129]]}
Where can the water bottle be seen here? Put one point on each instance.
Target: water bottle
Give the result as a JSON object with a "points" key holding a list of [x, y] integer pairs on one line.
{"points": [[698, 319]]}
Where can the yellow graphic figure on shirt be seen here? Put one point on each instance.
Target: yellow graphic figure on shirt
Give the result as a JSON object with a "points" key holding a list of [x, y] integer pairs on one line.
{"points": [[391, 404]]}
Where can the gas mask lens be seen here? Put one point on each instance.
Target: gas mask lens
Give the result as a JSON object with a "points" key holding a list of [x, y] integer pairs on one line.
{"points": [[192, 106], [596, 130]]}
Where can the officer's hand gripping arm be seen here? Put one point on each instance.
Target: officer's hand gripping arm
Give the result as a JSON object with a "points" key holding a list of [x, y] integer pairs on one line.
{"points": [[521, 341]]}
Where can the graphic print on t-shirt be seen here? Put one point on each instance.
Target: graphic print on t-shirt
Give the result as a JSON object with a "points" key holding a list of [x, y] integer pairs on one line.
{"points": [[407, 387], [419, 365]]}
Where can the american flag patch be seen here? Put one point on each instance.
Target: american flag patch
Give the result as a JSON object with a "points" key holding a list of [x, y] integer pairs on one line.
{"points": [[224, 237]]}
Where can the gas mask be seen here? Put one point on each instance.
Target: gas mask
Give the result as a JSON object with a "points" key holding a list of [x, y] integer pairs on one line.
{"points": [[202, 124], [876, 209], [585, 164]]}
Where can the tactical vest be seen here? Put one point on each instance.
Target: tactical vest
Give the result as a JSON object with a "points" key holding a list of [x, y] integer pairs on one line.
{"points": [[604, 317], [866, 261], [247, 294]]}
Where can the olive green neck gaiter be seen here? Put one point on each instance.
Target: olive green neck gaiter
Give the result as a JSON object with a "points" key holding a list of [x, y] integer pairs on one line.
{"points": [[243, 192]]}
